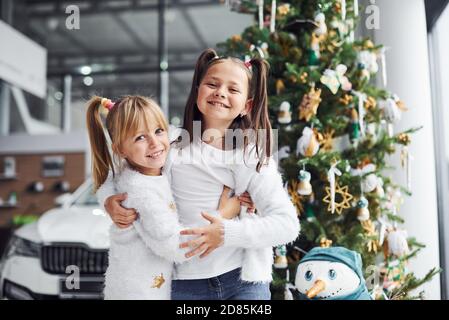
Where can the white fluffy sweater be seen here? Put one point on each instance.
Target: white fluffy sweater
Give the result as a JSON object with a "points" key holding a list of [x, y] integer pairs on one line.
{"points": [[141, 257]]}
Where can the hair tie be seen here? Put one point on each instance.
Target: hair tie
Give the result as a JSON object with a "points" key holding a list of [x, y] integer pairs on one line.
{"points": [[215, 58], [248, 64], [107, 104]]}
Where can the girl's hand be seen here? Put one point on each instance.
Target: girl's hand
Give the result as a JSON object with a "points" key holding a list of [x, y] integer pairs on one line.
{"points": [[229, 207], [210, 237], [245, 200], [122, 217]]}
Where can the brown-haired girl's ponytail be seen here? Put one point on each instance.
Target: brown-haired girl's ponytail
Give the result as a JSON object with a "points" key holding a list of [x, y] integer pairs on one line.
{"points": [[192, 113], [259, 112], [101, 158]]}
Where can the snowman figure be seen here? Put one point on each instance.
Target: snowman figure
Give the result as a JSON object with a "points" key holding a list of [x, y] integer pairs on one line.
{"points": [[333, 273]]}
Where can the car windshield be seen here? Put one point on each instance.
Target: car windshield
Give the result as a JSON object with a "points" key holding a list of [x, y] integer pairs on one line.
{"points": [[86, 198]]}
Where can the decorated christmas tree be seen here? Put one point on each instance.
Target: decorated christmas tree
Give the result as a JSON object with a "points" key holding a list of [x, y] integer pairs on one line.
{"points": [[335, 131]]}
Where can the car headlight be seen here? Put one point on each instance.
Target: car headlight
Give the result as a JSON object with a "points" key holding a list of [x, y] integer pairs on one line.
{"points": [[22, 247]]}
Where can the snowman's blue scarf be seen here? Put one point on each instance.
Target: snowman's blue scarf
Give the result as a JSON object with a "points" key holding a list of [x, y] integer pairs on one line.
{"points": [[350, 258]]}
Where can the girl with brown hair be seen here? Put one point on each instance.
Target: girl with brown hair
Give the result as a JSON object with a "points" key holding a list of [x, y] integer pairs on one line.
{"points": [[227, 96]]}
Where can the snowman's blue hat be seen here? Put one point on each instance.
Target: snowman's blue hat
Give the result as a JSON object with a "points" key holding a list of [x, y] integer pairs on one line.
{"points": [[336, 254]]}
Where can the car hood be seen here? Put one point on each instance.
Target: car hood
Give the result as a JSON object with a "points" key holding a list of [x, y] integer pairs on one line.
{"points": [[88, 225]]}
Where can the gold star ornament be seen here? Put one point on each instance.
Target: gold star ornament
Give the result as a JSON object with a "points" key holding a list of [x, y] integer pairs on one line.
{"points": [[343, 194], [172, 206], [158, 281]]}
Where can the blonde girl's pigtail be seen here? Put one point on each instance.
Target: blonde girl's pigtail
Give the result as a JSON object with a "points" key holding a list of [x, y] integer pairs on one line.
{"points": [[101, 158], [259, 113]]}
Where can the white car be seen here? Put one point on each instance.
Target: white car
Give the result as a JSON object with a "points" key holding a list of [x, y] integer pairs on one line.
{"points": [[63, 255]]}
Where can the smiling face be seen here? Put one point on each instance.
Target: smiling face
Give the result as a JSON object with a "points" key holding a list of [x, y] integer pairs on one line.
{"points": [[223, 93], [324, 279], [146, 150]]}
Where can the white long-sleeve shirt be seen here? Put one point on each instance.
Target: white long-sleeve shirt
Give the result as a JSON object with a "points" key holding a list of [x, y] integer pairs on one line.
{"points": [[197, 173]]}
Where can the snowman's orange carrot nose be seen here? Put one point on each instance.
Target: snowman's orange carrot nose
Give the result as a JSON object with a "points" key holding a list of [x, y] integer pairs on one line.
{"points": [[317, 287]]}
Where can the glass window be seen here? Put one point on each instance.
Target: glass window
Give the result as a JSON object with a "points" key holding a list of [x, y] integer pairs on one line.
{"points": [[442, 52]]}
